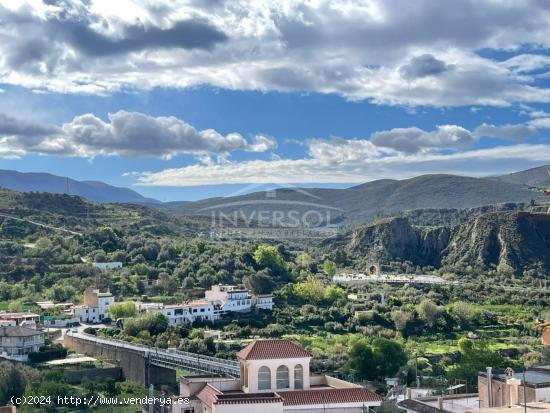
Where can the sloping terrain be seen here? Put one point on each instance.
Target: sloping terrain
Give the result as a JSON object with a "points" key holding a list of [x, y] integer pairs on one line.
{"points": [[533, 177], [366, 202], [515, 240], [91, 190]]}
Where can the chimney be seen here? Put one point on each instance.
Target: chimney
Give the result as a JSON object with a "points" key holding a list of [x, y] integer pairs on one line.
{"points": [[409, 393], [440, 403], [489, 387]]}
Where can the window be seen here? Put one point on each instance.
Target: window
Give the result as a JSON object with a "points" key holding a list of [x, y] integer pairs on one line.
{"points": [[282, 377], [264, 378], [298, 377]]}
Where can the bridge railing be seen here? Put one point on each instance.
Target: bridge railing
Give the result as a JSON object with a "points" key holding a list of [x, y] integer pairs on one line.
{"points": [[171, 356]]}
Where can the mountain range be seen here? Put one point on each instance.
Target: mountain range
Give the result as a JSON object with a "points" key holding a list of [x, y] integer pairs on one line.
{"points": [[357, 204], [91, 190], [365, 202]]}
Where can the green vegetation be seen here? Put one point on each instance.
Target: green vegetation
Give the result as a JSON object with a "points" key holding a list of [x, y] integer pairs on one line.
{"points": [[451, 329]]}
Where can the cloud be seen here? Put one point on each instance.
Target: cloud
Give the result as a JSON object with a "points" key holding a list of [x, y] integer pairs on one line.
{"points": [[422, 66], [412, 140], [541, 123], [514, 132], [185, 34], [392, 52], [340, 169], [129, 134]]}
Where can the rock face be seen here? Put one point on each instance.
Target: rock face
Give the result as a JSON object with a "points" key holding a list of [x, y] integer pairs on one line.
{"points": [[514, 240], [397, 239], [518, 240]]}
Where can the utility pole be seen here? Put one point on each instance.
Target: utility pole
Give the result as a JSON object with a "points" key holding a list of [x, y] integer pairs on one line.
{"points": [[524, 393], [416, 370]]}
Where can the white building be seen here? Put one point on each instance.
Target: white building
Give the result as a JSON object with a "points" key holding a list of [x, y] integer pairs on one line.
{"points": [[17, 342], [185, 313], [95, 307], [114, 265], [263, 301], [229, 298], [275, 378]]}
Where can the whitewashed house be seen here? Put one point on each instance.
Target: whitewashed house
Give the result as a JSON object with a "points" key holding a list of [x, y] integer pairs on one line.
{"points": [[230, 298], [95, 307], [184, 313]]}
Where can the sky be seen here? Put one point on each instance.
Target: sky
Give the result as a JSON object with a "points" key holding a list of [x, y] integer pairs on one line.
{"points": [[182, 100]]}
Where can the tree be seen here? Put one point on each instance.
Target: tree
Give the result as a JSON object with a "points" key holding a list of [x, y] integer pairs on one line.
{"points": [[400, 319], [391, 356], [362, 359], [268, 256], [12, 382], [152, 323], [379, 359], [475, 357], [311, 291], [329, 267], [462, 312], [429, 312], [259, 283], [122, 310]]}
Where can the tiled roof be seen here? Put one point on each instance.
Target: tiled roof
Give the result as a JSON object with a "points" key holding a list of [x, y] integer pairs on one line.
{"points": [[328, 396], [272, 349], [250, 398], [208, 395]]}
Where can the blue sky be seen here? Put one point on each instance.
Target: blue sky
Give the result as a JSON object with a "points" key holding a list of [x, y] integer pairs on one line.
{"points": [[198, 100]]}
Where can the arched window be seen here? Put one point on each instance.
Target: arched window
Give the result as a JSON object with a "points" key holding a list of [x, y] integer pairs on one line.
{"points": [[264, 378], [298, 377], [282, 377]]}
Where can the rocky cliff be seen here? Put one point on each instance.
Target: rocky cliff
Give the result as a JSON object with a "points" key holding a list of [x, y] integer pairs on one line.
{"points": [[517, 240], [397, 239], [514, 241]]}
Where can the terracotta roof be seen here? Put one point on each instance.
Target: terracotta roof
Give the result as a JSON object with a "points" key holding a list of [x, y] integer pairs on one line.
{"points": [[208, 395], [248, 398], [328, 396], [272, 349]]}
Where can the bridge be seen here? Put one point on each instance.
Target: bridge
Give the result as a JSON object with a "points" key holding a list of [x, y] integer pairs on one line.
{"points": [[149, 365]]}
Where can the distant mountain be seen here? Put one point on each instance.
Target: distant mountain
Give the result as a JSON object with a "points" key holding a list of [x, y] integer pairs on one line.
{"points": [[539, 177], [91, 190], [368, 201]]}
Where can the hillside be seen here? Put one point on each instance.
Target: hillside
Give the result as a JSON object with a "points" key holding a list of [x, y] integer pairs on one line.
{"points": [[91, 190], [533, 177], [516, 241], [19, 211], [368, 201]]}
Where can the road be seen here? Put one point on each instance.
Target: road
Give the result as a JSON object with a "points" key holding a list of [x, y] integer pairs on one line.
{"points": [[40, 224]]}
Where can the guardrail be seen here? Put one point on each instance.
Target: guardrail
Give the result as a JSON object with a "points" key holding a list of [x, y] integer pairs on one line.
{"points": [[173, 359]]}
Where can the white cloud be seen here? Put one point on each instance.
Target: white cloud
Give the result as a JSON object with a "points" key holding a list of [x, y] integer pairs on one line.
{"points": [[541, 123], [389, 51], [514, 132], [129, 134], [340, 167]]}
